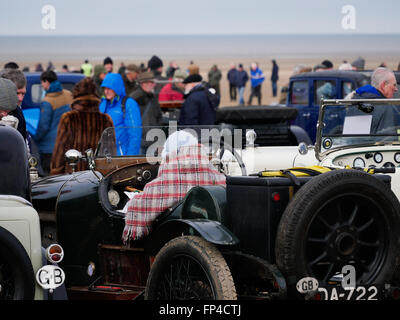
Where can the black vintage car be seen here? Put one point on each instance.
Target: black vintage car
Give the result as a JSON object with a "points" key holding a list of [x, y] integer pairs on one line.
{"points": [[232, 242]]}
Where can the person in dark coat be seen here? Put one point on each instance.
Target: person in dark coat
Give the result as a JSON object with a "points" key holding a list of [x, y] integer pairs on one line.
{"points": [[155, 65], [214, 77], [144, 96], [130, 79], [99, 74], [274, 78], [200, 106], [241, 78], [150, 109], [171, 69], [232, 75]]}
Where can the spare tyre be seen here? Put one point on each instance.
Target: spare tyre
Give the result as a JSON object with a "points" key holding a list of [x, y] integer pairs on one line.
{"points": [[343, 217], [17, 280]]}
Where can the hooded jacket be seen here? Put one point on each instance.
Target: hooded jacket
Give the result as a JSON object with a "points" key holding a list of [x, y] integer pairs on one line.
{"points": [[128, 124], [199, 107], [55, 103]]}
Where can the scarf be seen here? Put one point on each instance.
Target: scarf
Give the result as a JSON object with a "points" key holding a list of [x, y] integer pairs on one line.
{"points": [[179, 172]]}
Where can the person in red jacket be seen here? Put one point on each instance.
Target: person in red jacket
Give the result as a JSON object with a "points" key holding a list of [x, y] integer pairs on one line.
{"points": [[174, 91]]}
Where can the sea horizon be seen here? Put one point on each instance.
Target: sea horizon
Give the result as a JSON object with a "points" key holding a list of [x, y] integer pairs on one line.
{"points": [[174, 46]]}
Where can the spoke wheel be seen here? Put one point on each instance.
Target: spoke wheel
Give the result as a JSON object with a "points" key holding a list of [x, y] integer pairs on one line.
{"points": [[343, 217], [189, 268], [348, 229], [185, 280]]}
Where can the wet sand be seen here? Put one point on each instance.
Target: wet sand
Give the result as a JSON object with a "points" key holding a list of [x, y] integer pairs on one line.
{"points": [[286, 66]]}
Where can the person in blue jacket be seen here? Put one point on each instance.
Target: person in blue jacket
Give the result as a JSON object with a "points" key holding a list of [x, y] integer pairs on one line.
{"points": [[383, 86], [257, 78], [125, 114], [55, 103]]}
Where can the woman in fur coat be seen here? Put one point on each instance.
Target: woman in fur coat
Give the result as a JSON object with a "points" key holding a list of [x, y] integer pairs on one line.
{"points": [[80, 128]]}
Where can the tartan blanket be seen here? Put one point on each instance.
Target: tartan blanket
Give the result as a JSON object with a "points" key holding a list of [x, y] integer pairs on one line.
{"points": [[178, 173]]}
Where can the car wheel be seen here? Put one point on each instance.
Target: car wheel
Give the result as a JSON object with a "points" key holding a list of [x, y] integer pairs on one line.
{"points": [[190, 268], [17, 280], [343, 217]]}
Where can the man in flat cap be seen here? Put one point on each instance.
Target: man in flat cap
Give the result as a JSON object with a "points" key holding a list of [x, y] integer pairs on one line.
{"points": [[131, 73], [201, 102], [148, 103]]}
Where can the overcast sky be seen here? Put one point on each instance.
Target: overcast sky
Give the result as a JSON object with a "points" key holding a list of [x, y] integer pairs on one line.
{"points": [[121, 17]]}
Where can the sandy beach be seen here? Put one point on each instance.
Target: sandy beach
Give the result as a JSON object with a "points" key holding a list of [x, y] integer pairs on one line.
{"points": [[286, 66]]}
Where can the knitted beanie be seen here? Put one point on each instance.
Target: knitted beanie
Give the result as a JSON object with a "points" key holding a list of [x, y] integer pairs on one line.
{"points": [[8, 95]]}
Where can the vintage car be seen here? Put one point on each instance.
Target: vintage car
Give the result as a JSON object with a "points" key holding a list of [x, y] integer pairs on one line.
{"points": [[283, 226], [34, 94], [348, 149], [22, 256]]}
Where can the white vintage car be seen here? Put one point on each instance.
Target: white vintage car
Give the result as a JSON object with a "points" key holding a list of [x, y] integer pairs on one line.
{"points": [[350, 134], [23, 269]]}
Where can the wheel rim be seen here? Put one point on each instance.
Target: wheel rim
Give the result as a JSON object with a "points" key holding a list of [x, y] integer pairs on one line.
{"points": [[349, 229], [185, 279], [7, 283]]}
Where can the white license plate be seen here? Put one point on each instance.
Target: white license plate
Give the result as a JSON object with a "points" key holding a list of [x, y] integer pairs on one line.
{"points": [[351, 293]]}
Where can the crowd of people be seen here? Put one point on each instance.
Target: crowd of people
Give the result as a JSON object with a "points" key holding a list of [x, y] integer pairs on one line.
{"points": [[130, 100], [131, 97]]}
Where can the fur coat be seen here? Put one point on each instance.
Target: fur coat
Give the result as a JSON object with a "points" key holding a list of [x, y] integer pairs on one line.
{"points": [[79, 129]]}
